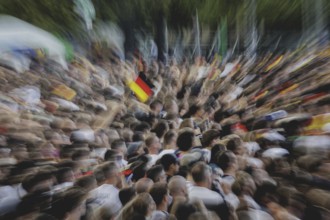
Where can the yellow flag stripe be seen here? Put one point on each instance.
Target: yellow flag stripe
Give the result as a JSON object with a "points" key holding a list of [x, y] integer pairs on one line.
{"points": [[140, 94]]}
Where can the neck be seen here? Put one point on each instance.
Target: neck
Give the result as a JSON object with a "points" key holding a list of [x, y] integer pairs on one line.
{"points": [[162, 207], [153, 151], [203, 184], [230, 172]]}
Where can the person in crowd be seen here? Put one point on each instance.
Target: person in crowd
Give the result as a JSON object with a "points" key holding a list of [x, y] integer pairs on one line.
{"points": [[170, 164], [157, 174], [153, 146], [126, 195], [160, 194], [107, 193], [65, 179], [143, 185]]}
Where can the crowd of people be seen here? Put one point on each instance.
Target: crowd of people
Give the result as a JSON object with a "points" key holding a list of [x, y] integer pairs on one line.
{"points": [[214, 141]]}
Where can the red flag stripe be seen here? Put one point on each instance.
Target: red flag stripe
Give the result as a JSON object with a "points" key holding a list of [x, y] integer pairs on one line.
{"points": [[143, 86]]}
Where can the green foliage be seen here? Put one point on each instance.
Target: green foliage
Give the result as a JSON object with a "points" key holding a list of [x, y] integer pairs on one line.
{"points": [[59, 17]]}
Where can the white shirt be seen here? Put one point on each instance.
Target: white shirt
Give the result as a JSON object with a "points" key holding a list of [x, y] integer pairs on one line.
{"points": [[167, 151], [10, 197], [106, 195], [208, 196], [62, 186], [154, 158], [159, 215]]}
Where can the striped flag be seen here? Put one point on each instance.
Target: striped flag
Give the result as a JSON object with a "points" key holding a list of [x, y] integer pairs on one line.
{"points": [[142, 87]]}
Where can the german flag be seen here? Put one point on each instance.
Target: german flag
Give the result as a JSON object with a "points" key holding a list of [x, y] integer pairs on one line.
{"points": [[142, 87]]}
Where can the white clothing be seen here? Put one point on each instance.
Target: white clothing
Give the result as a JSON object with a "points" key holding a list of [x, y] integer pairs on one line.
{"points": [[106, 195], [209, 197]]}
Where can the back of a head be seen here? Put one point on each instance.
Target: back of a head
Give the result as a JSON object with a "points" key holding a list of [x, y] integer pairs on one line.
{"points": [[126, 195], [168, 137], [155, 172], [30, 182], [199, 172], [143, 185], [137, 136], [110, 155], [224, 159], [158, 191], [167, 160], [109, 170], [116, 144], [177, 185], [233, 144], [184, 210], [63, 174], [80, 154], [141, 204], [160, 129], [67, 201], [86, 182], [99, 175], [185, 140]]}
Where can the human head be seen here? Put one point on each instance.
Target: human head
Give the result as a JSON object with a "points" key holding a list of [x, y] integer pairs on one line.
{"points": [[227, 160], [119, 145], [170, 164], [185, 140], [170, 139], [126, 195], [86, 182], [209, 137], [65, 174], [156, 106], [157, 174], [178, 187], [201, 174], [70, 204], [160, 194], [153, 144], [143, 185], [160, 129]]}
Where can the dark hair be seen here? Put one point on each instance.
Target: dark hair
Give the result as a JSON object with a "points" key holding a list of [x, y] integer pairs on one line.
{"points": [[117, 144], [61, 174], [31, 180], [193, 109], [168, 136], [198, 172], [184, 210], [137, 136], [185, 140], [233, 144], [218, 115], [110, 155], [224, 159], [158, 191], [85, 181], [67, 201], [167, 160], [154, 172], [126, 195], [66, 152], [77, 155], [139, 170], [214, 152], [36, 201], [160, 128], [142, 126]]}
